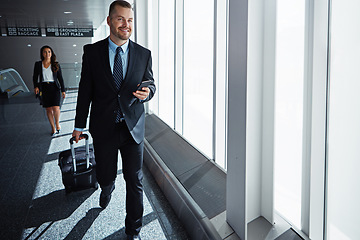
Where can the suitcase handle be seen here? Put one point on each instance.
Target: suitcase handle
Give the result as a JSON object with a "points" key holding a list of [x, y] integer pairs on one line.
{"points": [[86, 137]]}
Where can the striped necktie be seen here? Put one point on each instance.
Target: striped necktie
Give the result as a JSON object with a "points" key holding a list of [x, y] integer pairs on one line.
{"points": [[118, 77]]}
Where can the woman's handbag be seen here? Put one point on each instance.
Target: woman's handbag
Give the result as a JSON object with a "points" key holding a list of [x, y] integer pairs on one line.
{"points": [[39, 96]]}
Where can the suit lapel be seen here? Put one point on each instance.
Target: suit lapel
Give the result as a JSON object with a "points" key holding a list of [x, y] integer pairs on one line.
{"points": [[131, 62], [104, 53], [40, 72]]}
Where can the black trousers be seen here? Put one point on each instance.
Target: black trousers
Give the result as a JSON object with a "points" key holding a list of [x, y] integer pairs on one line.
{"points": [[106, 156]]}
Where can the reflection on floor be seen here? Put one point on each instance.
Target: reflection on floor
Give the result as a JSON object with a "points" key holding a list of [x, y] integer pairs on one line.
{"points": [[33, 203]]}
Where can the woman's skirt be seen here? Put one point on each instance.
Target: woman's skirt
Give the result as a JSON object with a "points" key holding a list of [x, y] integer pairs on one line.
{"points": [[50, 94]]}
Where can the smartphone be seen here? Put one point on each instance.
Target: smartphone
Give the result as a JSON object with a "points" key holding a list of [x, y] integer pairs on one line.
{"points": [[145, 83]]}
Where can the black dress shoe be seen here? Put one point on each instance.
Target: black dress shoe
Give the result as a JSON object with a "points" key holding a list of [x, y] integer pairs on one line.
{"points": [[133, 237], [105, 195]]}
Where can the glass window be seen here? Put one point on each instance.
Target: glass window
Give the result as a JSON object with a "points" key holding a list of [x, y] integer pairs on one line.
{"points": [[221, 82], [289, 92], [198, 74], [165, 83], [343, 192]]}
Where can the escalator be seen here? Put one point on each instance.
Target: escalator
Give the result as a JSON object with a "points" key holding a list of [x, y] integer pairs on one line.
{"points": [[11, 83]]}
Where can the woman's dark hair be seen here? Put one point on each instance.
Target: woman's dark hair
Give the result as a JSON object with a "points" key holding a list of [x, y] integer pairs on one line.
{"points": [[54, 63], [120, 3]]}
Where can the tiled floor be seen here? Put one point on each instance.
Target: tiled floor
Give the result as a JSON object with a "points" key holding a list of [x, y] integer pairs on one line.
{"points": [[33, 203]]}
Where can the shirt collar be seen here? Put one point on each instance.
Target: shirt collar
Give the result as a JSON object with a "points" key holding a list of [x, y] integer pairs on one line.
{"points": [[113, 46]]}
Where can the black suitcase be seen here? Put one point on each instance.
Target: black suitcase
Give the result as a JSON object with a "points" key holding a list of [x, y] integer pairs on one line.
{"points": [[78, 167]]}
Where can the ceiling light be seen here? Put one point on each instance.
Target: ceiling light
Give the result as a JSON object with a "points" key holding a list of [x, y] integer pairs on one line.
{"points": [[74, 45], [75, 54], [67, 12], [29, 45], [70, 22]]}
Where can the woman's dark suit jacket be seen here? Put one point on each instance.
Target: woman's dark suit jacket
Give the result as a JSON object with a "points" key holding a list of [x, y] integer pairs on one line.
{"points": [[97, 87], [59, 81]]}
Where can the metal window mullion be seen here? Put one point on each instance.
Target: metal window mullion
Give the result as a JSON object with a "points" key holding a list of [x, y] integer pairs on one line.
{"points": [[327, 119], [179, 67], [182, 66], [307, 109], [226, 82], [214, 83], [174, 48]]}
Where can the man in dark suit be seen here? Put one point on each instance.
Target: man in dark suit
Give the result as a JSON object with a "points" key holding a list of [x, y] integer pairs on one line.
{"points": [[112, 70]]}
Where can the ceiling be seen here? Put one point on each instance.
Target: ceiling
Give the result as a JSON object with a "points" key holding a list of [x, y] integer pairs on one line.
{"points": [[20, 52], [53, 13]]}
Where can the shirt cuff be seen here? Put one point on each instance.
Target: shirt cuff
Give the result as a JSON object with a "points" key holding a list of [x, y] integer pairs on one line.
{"points": [[144, 100], [79, 129]]}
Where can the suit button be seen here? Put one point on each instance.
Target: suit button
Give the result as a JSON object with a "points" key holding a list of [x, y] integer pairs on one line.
{"points": [[118, 95]]}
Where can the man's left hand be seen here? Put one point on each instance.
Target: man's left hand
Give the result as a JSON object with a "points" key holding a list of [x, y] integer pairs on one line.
{"points": [[142, 94]]}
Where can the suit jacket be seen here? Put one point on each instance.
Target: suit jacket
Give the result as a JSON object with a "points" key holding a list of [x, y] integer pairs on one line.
{"points": [[59, 81], [97, 87]]}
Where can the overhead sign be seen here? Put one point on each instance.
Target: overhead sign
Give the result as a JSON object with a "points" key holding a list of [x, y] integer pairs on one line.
{"points": [[69, 32], [24, 31]]}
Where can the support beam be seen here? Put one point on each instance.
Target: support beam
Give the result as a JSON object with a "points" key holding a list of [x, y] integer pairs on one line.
{"points": [[237, 89]]}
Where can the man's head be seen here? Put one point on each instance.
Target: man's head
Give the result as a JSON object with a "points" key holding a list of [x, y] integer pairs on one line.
{"points": [[120, 20]]}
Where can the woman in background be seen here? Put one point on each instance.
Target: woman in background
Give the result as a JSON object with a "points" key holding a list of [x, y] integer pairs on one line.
{"points": [[48, 82]]}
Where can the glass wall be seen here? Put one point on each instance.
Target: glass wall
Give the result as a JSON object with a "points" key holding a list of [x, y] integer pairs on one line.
{"points": [[187, 46], [202, 112], [289, 82], [221, 83], [165, 84], [198, 74], [71, 73], [343, 192]]}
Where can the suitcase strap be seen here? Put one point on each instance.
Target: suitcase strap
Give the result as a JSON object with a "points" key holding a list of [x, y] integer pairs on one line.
{"points": [[86, 137]]}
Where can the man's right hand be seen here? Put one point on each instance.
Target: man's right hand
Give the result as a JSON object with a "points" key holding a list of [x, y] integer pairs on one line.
{"points": [[76, 134], [36, 90]]}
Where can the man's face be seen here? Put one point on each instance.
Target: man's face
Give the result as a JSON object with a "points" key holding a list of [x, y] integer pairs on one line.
{"points": [[121, 22]]}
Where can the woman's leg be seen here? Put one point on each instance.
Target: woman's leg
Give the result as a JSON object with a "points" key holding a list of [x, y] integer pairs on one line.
{"points": [[56, 111], [50, 115]]}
